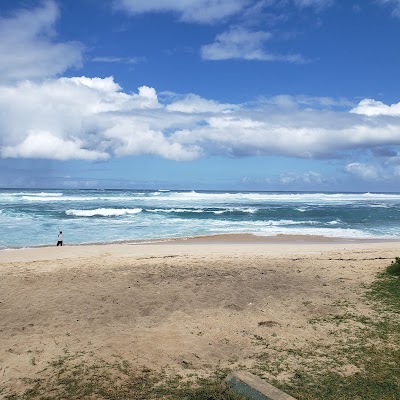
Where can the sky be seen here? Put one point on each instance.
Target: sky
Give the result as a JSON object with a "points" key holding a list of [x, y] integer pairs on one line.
{"points": [[200, 94]]}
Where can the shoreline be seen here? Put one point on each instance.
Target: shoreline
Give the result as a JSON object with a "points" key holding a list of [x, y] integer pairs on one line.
{"points": [[223, 238], [279, 238], [242, 244]]}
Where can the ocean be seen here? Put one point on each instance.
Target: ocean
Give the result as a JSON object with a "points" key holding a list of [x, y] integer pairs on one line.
{"points": [[34, 217]]}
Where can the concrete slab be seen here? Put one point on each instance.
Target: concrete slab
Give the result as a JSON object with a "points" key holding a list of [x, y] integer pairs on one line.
{"points": [[255, 388]]}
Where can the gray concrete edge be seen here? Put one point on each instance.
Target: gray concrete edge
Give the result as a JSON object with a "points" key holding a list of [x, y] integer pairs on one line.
{"points": [[246, 383]]}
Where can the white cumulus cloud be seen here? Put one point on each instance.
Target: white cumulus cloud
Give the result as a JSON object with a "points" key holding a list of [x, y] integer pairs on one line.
{"points": [[364, 171], [29, 48], [94, 118], [193, 103], [240, 43], [41, 144], [372, 107], [84, 118], [309, 177]]}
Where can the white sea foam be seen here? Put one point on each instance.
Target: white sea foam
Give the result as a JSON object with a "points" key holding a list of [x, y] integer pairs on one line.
{"points": [[240, 224], [104, 212], [18, 197], [271, 228], [268, 197], [250, 210], [77, 198], [201, 210], [176, 210], [47, 194], [282, 222], [216, 198], [57, 198], [281, 230]]}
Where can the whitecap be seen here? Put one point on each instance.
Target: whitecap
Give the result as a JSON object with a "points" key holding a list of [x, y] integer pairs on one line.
{"points": [[175, 210], [104, 212], [47, 194]]}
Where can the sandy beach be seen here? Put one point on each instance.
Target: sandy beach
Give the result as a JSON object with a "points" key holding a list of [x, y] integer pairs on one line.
{"points": [[185, 305]]}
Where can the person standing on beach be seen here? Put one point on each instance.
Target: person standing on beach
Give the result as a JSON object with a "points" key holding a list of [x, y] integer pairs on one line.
{"points": [[60, 239]]}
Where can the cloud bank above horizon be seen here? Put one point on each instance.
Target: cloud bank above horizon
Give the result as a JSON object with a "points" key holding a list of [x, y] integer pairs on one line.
{"points": [[94, 119], [48, 114]]}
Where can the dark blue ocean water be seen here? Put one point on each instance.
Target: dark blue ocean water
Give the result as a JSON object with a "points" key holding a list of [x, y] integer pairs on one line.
{"points": [[33, 217]]}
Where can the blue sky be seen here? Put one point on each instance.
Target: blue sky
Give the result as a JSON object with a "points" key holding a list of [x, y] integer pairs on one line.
{"points": [[200, 94]]}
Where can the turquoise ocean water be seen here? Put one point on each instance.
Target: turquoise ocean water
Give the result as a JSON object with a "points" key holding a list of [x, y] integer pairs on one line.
{"points": [[33, 217]]}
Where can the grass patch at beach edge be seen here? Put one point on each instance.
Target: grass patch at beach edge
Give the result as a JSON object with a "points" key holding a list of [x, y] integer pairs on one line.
{"points": [[374, 352]]}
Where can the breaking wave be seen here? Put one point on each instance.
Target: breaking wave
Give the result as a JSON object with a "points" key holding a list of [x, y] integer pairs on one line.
{"points": [[104, 212]]}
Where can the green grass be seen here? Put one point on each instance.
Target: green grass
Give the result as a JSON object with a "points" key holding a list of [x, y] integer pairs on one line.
{"points": [[369, 344], [72, 377], [394, 268], [386, 289]]}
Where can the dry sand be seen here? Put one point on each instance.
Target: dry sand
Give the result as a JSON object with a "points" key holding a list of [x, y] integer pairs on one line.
{"points": [[184, 305]]}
